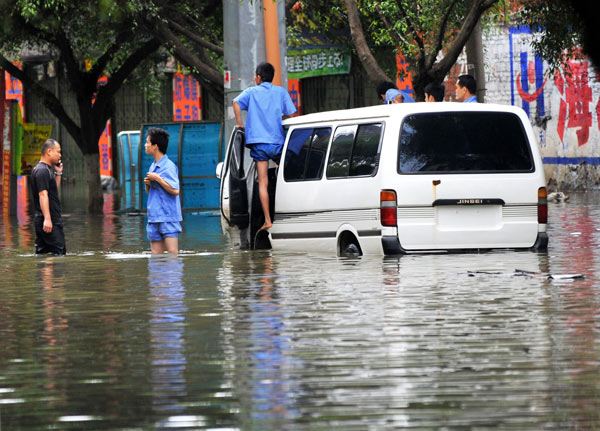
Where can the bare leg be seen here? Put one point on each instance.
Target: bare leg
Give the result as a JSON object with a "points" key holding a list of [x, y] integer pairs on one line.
{"points": [[157, 247], [263, 192], [172, 244]]}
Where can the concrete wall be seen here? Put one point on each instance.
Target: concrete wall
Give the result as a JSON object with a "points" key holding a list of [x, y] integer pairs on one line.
{"points": [[563, 108]]}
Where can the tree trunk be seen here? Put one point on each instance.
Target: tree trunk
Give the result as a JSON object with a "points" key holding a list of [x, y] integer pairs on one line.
{"points": [[374, 71], [475, 64], [94, 185]]}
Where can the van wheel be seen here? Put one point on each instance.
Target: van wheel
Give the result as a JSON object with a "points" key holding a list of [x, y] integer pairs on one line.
{"points": [[349, 246]]}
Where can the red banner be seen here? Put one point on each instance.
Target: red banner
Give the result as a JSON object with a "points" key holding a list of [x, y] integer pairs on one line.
{"points": [[187, 99], [105, 146], [14, 90]]}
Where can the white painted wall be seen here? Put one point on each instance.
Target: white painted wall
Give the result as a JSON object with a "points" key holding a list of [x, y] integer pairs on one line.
{"points": [[565, 116]]}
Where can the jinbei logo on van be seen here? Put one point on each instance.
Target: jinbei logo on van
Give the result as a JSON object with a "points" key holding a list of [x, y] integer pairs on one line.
{"points": [[472, 201]]}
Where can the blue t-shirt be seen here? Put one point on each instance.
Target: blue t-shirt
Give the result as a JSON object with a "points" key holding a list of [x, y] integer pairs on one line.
{"points": [[162, 205], [472, 99], [265, 103]]}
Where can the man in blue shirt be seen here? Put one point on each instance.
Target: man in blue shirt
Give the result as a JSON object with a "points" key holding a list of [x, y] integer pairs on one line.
{"points": [[162, 186], [267, 105], [466, 87]]}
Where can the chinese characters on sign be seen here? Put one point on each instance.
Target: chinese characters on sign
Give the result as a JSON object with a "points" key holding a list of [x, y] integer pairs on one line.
{"points": [[304, 63], [187, 102]]}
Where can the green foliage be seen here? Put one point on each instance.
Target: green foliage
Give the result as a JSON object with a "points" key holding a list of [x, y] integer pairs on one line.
{"points": [[409, 26], [560, 35]]}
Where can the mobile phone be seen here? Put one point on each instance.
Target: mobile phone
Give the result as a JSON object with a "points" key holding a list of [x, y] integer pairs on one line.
{"points": [[59, 164]]}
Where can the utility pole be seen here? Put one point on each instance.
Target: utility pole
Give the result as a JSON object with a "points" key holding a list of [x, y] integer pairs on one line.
{"points": [[475, 64], [254, 31]]}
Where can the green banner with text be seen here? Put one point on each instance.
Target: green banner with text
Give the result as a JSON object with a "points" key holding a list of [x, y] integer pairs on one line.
{"points": [[304, 63]]}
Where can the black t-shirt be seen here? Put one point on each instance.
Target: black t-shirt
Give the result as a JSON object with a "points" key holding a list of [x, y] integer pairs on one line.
{"points": [[42, 178]]}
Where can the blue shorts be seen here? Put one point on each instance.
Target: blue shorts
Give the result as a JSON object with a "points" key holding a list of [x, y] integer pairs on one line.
{"points": [[162, 230], [264, 152]]}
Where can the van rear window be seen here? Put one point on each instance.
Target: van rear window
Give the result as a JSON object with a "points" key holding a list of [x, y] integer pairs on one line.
{"points": [[458, 142]]}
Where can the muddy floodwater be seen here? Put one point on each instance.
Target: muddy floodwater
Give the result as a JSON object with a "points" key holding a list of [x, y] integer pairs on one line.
{"points": [[110, 338]]}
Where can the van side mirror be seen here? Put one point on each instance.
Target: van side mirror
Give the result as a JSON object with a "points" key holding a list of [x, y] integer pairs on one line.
{"points": [[219, 169]]}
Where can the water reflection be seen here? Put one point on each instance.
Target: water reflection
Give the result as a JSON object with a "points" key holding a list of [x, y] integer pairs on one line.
{"points": [[112, 338], [167, 325]]}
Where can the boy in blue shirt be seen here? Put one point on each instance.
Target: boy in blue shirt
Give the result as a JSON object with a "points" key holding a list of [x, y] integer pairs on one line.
{"points": [[162, 186], [267, 105]]}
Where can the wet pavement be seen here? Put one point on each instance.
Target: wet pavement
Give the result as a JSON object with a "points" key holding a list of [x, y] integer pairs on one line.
{"points": [[110, 338]]}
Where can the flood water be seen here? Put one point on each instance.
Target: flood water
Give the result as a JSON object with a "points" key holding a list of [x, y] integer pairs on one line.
{"points": [[110, 338]]}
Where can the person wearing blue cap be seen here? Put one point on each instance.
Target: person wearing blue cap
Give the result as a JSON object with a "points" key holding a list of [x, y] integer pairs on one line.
{"points": [[398, 96]]}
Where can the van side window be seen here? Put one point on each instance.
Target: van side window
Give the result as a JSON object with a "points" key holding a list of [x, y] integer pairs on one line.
{"points": [[459, 142], [354, 151], [366, 146], [305, 155]]}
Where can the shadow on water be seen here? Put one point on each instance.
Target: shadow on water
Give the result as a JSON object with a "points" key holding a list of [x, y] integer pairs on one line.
{"points": [[110, 337]]}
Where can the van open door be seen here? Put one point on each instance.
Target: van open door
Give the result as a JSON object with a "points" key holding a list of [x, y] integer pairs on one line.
{"points": [[241, 212], [234, 192]]}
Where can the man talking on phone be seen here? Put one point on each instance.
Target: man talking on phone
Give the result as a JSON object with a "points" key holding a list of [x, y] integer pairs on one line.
{"points": [[47, 220]]}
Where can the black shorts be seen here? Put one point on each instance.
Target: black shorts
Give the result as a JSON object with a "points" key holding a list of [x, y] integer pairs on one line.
{"points": [[53, 242]]}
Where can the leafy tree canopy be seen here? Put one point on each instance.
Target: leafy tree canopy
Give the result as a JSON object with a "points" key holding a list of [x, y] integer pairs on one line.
{"points": [[566, 28], [429, 33], [90, 38]]}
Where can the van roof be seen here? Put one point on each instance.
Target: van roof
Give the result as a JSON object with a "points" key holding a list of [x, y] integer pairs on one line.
{"points": [[400, 109]]}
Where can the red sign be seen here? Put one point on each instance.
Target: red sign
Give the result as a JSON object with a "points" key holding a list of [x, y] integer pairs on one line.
{"points": [[187, 101], [14, 90], [105, 146]]}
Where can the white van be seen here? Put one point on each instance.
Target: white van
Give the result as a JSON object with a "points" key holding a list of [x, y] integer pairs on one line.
{"points": [[394, 179]]}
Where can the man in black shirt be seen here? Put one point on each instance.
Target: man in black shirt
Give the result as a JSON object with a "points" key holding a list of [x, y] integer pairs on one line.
{"points": [[45, 181]]}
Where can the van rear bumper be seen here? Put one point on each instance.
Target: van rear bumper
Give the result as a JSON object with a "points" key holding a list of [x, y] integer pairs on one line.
{"points": [[541, 243], [391, 245]]}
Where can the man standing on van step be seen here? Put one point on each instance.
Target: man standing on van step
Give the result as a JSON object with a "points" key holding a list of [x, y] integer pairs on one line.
{"points": [[267, 105], [47, 219], [466, 87]]}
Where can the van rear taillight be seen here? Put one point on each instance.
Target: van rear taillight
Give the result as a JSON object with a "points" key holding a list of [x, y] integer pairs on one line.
{"points": [[542, 208], [387, 209]]}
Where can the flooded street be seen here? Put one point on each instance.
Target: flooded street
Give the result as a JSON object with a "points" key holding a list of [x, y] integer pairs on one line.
{"points": [[110, 338]]}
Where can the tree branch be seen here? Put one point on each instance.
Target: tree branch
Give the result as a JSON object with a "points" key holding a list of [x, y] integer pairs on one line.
{"points": [[456, 47], [413, 29], [107, 91], [376, 74], [439, 40], [100, 65], [48, 98], [210, 76], [397, 39], [195, 38]]}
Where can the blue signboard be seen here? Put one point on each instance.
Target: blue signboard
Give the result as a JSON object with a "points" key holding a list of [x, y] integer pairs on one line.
{"points": [[196, 148]]}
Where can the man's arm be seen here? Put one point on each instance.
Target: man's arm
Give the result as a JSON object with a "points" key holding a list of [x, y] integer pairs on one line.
{"points": [[153, 176], [45, 207], [237, 110], [58, 170]]}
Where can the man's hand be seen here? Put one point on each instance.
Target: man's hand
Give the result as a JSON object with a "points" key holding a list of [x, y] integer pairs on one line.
{"points": [[152, 176], [47, 225]]}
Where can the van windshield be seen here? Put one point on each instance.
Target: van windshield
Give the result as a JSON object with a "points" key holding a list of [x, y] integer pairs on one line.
{"points": [[459, 142]]}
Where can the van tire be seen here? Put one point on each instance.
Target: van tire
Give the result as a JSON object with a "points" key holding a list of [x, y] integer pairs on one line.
{"points": [[348, 246]]}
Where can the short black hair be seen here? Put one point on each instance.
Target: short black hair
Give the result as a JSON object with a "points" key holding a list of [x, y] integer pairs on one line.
{"points": [[435, 90], [159, 137], [469, 82], [266, 71], [384, 86], [49, 143]]}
